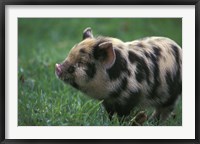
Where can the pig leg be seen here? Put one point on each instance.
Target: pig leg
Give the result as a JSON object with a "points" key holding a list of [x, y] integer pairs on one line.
{"points": [[161, 114], [166, 112], [155, 117]]}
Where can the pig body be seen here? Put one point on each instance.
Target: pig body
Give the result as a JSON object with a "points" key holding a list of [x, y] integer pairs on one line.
{"points": [[145, 72]]}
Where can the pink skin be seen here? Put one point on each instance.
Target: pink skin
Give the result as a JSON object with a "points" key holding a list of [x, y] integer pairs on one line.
{"points": [[58, 69]]}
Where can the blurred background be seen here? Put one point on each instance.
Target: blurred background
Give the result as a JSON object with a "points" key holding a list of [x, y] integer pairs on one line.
{"points": [[42, 42]]}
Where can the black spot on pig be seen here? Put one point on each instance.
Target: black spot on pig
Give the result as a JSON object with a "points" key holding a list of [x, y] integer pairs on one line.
{"points": [[123, 109], [140, 75], [130, 102], [98, 53], [118, 67], [124, 83], [156, 75], [157, 52], [132, 57], [174, 88], [177, 57], [82, 51], [90, 70], [117, 92], [147, 54], [140, 45], [134, 97], [143, 71]]}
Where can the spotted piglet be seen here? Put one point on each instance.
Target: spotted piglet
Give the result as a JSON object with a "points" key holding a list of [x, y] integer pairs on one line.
{"points": [[125, 75]]}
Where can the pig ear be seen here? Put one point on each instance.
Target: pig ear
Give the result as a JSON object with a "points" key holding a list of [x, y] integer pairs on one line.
{"points": [[87, 33], [108, 55]]}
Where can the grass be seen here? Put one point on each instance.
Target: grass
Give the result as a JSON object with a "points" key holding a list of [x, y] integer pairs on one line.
{"points": [[43, 100]]}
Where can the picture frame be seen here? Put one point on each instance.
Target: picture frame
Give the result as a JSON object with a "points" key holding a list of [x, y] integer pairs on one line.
{"points": [[3, 89]]}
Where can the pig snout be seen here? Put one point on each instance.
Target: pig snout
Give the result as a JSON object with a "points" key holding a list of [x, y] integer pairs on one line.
{"points": [[58, 69]]}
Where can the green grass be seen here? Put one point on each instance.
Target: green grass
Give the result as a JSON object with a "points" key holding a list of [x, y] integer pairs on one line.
{"points": [[43, 100]]}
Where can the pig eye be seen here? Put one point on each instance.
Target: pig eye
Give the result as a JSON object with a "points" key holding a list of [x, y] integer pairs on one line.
{"points": [[71, 69]]}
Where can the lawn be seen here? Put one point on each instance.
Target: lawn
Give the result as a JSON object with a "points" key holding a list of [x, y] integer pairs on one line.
{"points": [[43, 100]]}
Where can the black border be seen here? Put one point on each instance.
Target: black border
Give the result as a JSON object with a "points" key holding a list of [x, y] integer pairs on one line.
{"points": [[4, 3]]}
